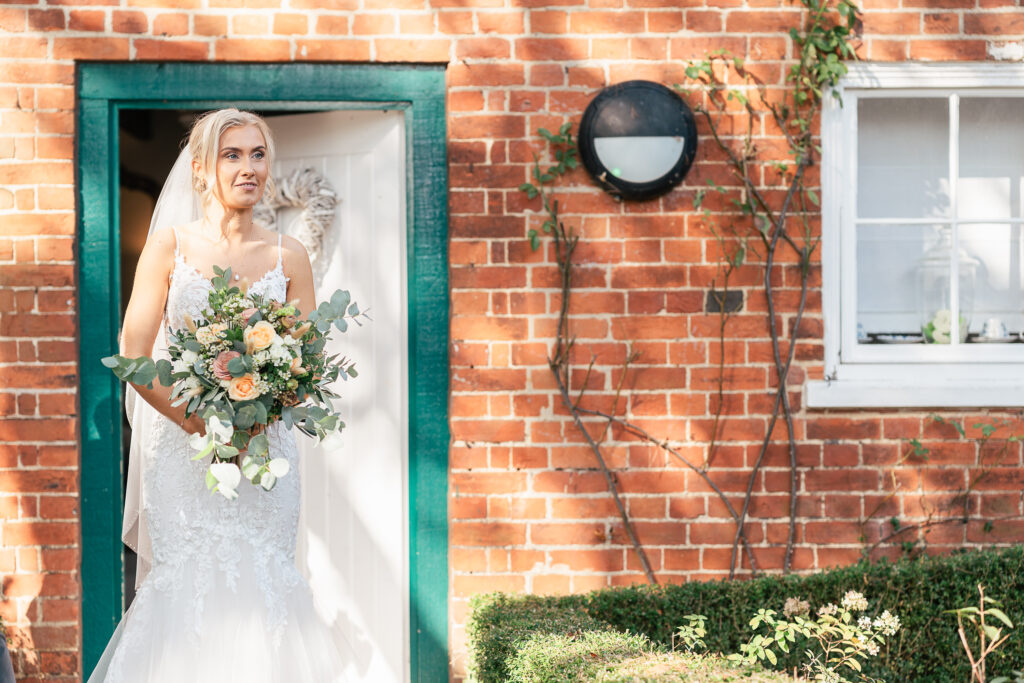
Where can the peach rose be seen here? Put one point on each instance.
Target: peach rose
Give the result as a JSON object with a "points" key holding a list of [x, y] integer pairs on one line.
{"points": [[248, 313], [260, 336], [220, 364], [242, 388]]}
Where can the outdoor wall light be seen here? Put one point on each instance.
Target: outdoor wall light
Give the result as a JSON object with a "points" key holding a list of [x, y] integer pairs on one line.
{"points": [[637, 139]]}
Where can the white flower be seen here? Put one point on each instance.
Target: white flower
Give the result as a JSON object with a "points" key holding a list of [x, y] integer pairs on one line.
{"points": [[943, 320], [827, 610], [279, 352], [864, 623], [179, 366], [887, 623], [206, 336], [227, 475], [872, 648], [189, 357], [854, 601], [795, 606]]}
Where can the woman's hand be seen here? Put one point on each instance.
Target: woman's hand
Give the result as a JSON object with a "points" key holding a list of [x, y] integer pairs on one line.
{"points": [[194, 425]]}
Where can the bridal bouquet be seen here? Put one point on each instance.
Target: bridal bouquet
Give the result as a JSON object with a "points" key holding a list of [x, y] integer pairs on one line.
{"points": [[246, 363]]}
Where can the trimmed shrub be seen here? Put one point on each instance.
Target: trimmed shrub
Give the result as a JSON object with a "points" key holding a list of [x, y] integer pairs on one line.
{"points": [[499, 623], [615, 657], [926, 648]]}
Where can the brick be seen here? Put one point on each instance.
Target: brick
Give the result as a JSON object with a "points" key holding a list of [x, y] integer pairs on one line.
{"points": [[210, 25], [333, 50], [251, 50], [425, 50], [487, 534], [168, 49], [129, 22], [45, 20], [90, 48]]}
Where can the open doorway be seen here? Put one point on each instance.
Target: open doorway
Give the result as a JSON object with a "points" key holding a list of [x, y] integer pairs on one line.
{"points": [[353, 535]]}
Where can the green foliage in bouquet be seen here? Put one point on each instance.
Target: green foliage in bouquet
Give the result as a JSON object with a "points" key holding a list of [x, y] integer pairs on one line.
{"points": [[246, 363]]}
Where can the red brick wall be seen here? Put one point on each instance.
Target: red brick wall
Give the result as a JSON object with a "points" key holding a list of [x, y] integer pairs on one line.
{"points": [[528, 512]]}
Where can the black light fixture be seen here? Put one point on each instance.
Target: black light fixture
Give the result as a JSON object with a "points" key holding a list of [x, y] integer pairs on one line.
{"points": [[637, 139]]}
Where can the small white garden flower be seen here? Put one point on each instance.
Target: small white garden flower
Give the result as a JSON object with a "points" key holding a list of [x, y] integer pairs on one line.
{"points": [[872, 648], [796, 606], [864, 623], [854, 601], [887, 623], [827, 610]]}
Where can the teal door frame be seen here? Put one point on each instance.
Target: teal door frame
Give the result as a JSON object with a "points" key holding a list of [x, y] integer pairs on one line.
{"points": [[102, 90]]}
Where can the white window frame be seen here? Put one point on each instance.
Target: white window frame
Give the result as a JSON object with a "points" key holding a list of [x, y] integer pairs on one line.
{"points": [[934, 375]]}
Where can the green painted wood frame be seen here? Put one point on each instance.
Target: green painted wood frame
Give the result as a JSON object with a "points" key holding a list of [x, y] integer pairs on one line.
{"points": [[105, 88]]}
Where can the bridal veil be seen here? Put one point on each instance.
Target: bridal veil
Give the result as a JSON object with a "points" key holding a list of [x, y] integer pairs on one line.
{"points": [[177, 204]]}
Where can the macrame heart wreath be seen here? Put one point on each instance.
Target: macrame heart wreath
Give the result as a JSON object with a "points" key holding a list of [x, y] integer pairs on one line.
{"points": [[309, 191]]}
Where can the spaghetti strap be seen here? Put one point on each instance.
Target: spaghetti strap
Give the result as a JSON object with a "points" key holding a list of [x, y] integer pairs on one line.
{"points": [[278, 250]]}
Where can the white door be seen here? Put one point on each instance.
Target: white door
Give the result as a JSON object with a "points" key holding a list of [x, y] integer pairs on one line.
{"points": [[353, 531]]}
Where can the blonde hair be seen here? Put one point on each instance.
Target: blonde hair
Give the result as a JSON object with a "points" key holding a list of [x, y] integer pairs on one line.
{"points": [[204, 140]]}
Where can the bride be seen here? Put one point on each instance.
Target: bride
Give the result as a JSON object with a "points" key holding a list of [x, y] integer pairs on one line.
{"points": [[221, 598]]}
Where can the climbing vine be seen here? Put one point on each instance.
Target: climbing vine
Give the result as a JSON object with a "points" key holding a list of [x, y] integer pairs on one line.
{"points": [[771, 204]]}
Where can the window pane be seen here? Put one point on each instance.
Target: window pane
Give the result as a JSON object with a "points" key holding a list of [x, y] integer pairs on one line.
{"points": [[902, 158], [991, 157], [999, 279], [888, 266]]}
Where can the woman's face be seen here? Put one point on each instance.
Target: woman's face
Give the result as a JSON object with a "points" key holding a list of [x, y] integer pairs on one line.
{"points": [[241, 167]]}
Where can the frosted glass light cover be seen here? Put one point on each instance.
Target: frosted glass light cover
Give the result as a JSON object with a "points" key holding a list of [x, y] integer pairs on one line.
{"points": [[639, 159]]}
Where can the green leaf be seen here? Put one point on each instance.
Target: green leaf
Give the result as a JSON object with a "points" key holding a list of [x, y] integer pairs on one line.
{"points": [[1000, 615], [259, 444], [163, 369]]}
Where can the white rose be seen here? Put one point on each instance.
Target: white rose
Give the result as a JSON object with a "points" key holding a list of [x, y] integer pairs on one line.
{"points": [[179, 366], [189, 357]]}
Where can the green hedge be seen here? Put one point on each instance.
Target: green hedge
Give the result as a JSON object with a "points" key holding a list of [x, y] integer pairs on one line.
{"points": [[616, 657], [917, 590]]}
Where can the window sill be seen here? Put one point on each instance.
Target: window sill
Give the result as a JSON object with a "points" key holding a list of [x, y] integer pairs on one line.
{"points": [[902, 394]]}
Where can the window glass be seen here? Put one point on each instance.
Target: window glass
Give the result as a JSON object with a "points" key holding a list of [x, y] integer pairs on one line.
{"points": [[991, 157], [999, 279], [887, 273], [903, 158]]}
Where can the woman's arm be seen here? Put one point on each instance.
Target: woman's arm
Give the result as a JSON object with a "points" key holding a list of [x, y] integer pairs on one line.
{"points": [[300, 272], [142, 321]]}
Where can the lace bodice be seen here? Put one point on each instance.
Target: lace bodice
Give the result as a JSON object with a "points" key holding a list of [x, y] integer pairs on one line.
{"points": [[189, 291]]}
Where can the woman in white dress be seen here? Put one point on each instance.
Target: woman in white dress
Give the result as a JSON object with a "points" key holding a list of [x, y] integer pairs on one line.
{"points": [[219, 596]]}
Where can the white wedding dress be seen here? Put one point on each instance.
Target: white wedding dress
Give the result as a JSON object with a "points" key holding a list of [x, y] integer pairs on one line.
{"points": [[223, 602]]}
